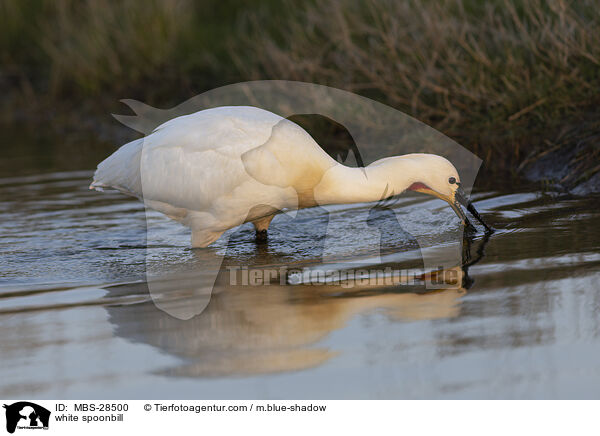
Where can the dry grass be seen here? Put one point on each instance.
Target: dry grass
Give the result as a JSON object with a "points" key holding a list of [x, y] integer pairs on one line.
{"points": [[124, 43], [503, 77], [498, 76], [96, 48]]}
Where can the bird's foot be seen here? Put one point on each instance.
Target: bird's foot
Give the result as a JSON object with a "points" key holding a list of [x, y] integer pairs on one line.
{"points": [[261, 236]]}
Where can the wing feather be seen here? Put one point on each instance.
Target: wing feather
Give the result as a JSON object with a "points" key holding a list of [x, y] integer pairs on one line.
{"points": [[200, 162]]}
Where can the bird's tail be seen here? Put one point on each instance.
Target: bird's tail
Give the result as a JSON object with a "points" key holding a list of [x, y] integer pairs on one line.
{"points": [[121, 170]]}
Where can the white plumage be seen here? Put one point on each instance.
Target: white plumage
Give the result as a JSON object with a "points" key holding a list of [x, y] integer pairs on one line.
{"points": [[218, 168]]}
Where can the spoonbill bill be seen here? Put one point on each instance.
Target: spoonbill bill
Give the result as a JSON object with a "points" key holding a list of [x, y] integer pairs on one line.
{"points": [[218, 168]]}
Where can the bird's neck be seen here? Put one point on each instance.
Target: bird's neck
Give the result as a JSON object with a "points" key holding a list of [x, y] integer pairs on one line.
{"points": [[342, 184]]}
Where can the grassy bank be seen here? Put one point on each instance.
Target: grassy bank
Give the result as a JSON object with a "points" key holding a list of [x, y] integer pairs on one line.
{"points": [[508, 79]]}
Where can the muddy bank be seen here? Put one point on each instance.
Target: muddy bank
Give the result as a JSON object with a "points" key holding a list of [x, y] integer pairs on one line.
{"points": [[571, 164]]}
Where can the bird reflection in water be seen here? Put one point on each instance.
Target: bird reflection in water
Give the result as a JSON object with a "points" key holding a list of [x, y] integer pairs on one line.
{"points": [[273, 326]]}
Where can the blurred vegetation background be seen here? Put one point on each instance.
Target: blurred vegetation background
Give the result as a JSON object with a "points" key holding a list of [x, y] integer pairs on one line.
{"points": [[512, 80]]}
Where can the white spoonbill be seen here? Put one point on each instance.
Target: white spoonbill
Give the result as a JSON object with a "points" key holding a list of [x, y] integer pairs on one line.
{"points": [[218, 168]]}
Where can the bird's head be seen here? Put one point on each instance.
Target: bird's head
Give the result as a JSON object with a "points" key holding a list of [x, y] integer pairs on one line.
{"points": [[436, 176]]}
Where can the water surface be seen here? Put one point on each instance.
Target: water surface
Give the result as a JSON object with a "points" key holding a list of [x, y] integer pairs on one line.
{"points": [[79, 320]]}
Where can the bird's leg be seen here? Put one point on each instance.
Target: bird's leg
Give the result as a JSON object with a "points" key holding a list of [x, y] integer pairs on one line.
{"points": [[261, 225], [262, 236]]}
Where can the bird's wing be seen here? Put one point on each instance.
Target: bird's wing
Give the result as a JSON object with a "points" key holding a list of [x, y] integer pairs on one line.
{"points": [[191, 161], [289, 158]]}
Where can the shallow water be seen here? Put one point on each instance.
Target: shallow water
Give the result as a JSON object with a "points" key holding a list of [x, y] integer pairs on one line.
{"points": [[79, 319]]}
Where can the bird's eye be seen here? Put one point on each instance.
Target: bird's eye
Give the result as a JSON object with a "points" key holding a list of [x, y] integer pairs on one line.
{"points": [[452, 180]]}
